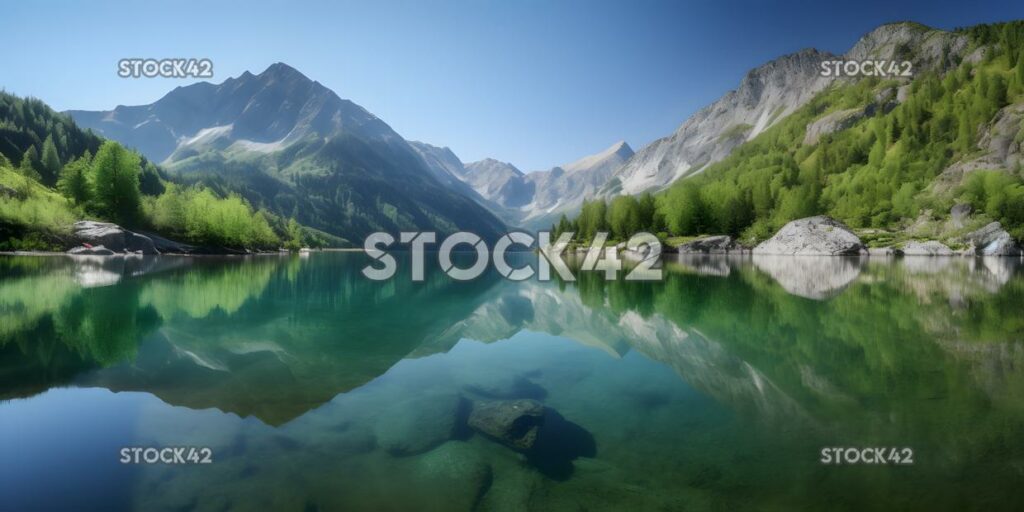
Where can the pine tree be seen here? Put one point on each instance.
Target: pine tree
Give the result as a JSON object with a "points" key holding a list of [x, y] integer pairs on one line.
{"points": [[74, 180], [116, 182], [50, 164], [30, 164]]}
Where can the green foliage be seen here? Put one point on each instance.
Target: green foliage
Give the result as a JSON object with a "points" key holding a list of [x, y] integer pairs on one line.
{"points": [[27, 122], [30, 164], [50, 163], [115, 179], [74, 180], [197, 215], [999, 195], [875, 174], [294, 242]]}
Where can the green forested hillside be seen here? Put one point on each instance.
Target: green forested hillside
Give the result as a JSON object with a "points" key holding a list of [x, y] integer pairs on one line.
{"points": [[884, 172], [77, 175]]}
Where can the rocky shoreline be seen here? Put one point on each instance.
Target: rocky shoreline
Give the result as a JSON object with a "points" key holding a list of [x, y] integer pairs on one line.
{"points": [[93, 238], [824, 236]]}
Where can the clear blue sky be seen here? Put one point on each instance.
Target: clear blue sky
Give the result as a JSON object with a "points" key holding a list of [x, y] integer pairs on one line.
{"points": [[533, 82]]}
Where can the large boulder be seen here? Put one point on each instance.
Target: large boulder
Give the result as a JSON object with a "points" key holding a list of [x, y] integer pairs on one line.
{"points": [[992, 240], [113, 237], [929, 248], [513, 423], [813, 236], [95, 233], [720, 244]]}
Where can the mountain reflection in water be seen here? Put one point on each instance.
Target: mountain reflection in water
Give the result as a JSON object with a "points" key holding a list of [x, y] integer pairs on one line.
{"points": [[716, 387]]}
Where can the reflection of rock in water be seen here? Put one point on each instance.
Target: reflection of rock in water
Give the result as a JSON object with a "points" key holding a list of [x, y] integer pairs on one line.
{"points": [[97, 271], [958, 278], [706, 265], [811, 277]]}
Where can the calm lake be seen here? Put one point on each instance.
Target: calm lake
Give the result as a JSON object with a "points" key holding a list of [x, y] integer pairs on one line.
{"points": [[316, 389]]}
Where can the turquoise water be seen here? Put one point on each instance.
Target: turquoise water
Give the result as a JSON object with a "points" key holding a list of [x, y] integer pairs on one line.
{"points": [[316, 389]]}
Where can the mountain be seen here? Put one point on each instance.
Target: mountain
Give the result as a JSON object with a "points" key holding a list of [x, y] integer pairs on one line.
{"points": [[767, 95], [530, 200], [289, 144], [563, 189]]}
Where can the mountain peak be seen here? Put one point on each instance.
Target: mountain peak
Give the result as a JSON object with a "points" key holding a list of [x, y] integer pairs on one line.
{"points": [[281, 72], [616, 154]]}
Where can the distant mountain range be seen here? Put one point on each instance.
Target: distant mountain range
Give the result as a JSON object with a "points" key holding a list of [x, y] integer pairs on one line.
{"points": [[292, 145]]}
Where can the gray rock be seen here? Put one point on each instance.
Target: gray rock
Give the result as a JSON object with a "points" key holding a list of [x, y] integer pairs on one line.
{"points": [[135, 242], [929, 248], [165, 245], [95, 233], [959, 213], [834, 122], [98, 250], [514, 423], [813, 236], [416, 426], [112, 237], [992, 240], [721, 244], [453, 476]]}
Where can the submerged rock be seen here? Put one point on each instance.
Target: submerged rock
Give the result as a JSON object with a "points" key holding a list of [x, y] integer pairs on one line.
{"points": [[416, 426], [929, 248], [452, 476], [514, 423], [993, 240], [721, 244], [813, 236]]}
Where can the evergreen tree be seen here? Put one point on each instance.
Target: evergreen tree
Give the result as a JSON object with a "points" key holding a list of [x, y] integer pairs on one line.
{"points": [[116, 182], [30, 164], [50, 164], [74, 180]]}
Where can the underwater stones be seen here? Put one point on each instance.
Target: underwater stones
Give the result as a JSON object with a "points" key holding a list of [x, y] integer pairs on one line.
{"points": [[416, 426], [513, 423], [453, 476], [813, 236]]}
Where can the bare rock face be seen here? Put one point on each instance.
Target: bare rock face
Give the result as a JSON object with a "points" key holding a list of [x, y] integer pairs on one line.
{"points": [[884, 252], [721, 244], [513, 423], [112, 237], [929, 248], [831, 123], [993, 240], [959, 213], [813, 236]]}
